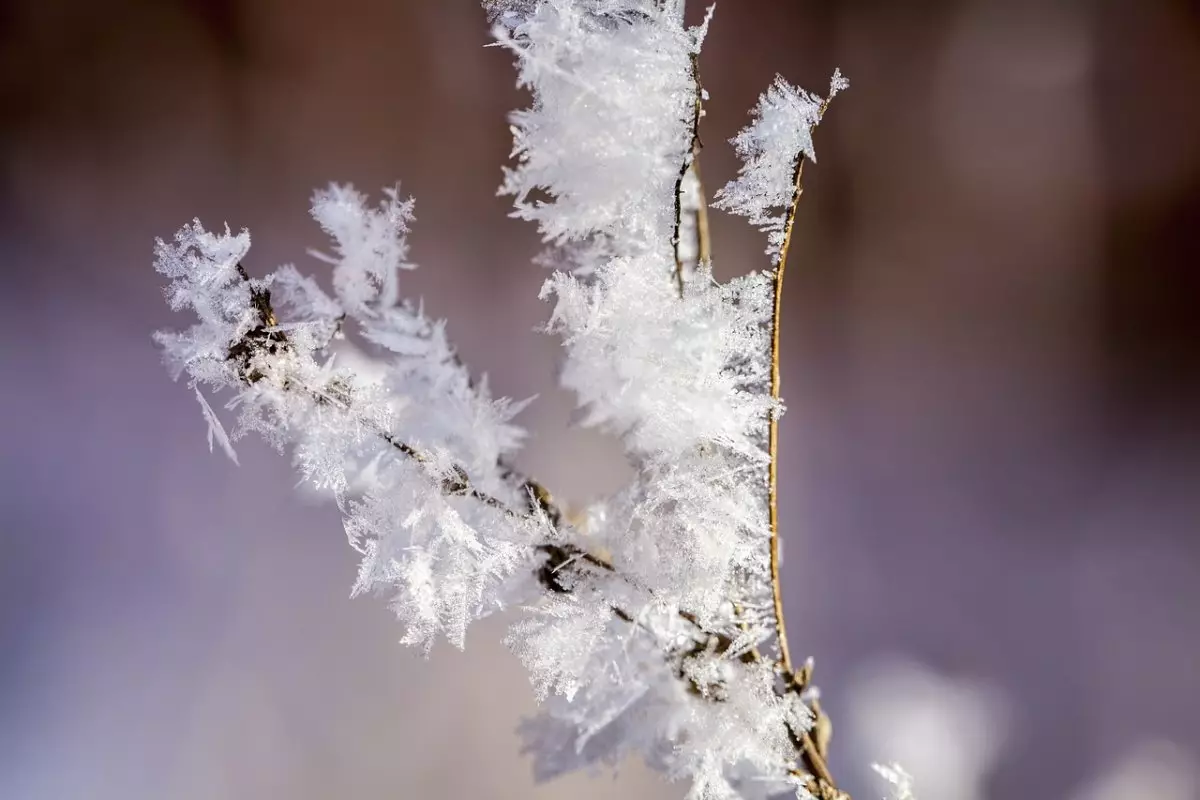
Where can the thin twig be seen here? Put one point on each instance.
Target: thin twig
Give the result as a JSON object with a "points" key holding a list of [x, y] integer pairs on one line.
{"points": [[689, 163], [811, 751], [773, 422], [703, 236], [785, 657]]}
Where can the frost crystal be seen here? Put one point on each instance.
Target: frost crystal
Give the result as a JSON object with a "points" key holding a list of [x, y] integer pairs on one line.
{"points": [[901, 782], [650, 624], [599, 151], [771, 148], [401, 437]]}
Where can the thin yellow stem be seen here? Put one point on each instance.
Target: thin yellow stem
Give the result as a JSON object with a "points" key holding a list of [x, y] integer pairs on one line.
{"points": [[811, 750], [704, 237], [785, 657]]}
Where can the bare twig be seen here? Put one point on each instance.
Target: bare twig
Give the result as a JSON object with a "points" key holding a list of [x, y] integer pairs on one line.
{"points": [[773, 423], [690, 162], [812, 750], [785, 657], [703, 236]]}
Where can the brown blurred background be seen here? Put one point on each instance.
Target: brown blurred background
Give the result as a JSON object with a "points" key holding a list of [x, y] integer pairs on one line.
{"points": [[992, 456]]}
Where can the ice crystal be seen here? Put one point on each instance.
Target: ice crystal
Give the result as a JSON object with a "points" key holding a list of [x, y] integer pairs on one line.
{"points": [[772, 148]]}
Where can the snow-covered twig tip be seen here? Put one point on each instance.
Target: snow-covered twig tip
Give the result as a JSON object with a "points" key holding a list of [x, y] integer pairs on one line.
{"points": [[772, 148]]}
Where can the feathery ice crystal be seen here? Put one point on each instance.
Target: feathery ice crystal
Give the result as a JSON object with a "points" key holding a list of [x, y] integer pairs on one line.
{"points": [[650, 625]]}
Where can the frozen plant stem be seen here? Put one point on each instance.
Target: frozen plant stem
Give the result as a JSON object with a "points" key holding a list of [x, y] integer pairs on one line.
{"points": [[652, 619], [690, 202], [773, 430], [785, 657]]}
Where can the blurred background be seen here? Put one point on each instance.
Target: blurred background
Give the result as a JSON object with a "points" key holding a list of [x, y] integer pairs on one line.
{"points": [[991, 459]]}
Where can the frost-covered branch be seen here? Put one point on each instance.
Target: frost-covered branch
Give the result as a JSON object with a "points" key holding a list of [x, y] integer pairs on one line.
{"points": [[651, 620], [270, 363]]}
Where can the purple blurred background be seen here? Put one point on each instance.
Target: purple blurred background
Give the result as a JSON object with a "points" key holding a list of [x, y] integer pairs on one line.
{"points": [[991, 458]]}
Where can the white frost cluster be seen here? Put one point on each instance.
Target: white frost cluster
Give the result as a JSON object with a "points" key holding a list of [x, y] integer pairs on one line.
{"points": [[684, 382], [649, 626], [386, 446], [600, 150], [771, 148]]}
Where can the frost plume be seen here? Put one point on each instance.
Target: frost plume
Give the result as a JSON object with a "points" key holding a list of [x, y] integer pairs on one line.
{"points": [[386, 446], [599, 150], [772, 148]]}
